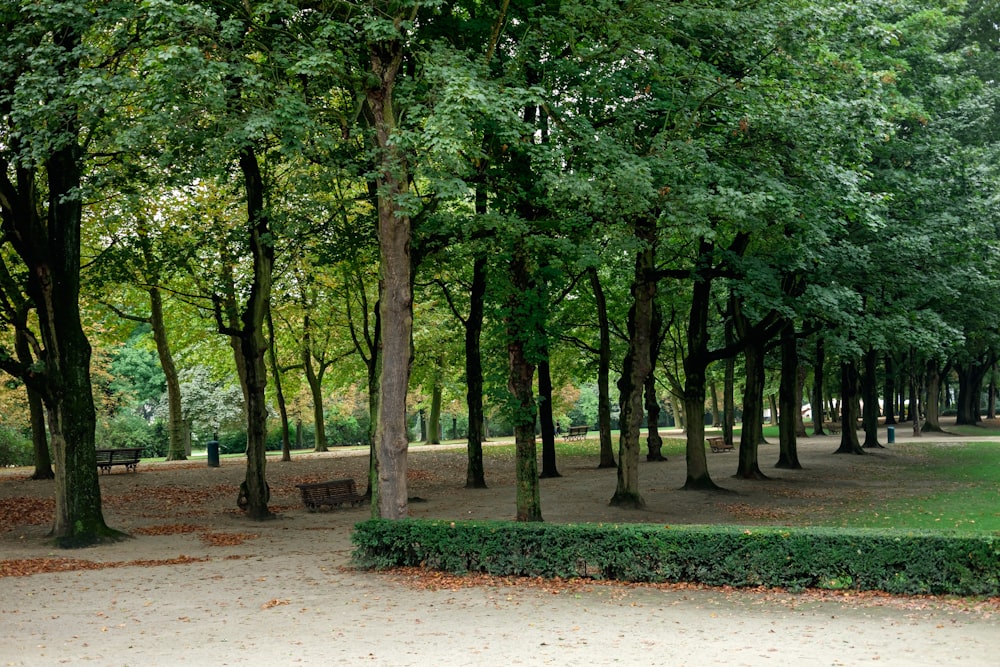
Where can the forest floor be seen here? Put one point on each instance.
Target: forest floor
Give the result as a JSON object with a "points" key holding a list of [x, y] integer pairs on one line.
{"points": [[200, 584]]}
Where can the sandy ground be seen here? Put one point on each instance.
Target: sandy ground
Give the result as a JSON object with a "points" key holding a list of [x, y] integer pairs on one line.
{"points": [[199, 584]]}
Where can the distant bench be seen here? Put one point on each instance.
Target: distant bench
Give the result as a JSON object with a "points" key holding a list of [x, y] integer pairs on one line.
{"points": [[576, 433], [335, 493], [124, 456], [719, 444]]}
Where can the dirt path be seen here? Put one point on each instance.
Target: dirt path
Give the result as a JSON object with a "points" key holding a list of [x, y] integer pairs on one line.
{"points": [[205, 586]]}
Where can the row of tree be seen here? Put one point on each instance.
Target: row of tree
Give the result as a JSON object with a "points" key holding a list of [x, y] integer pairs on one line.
{"points": [[666, 187]]}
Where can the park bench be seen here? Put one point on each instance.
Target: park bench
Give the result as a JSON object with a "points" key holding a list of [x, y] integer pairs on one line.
{"points": [[719, 444], [124, 456], [334, 493], [576, 433]]}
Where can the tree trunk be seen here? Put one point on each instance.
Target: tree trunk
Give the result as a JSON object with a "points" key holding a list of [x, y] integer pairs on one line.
{"points": [[175, 418], [970, 384], [869, 392], [475, 474], [520, 382], [315, 382], [654, 443], [545, 419], [636, 367], [849, 409], [890, 390], [817, 389], [434, 415], [286, 442], [395, 288], [36, 409], [932, 421], [753, 413], [788, 392], [50, 249], [800, 385], [607, 457], [253, 343], [729, 390]]}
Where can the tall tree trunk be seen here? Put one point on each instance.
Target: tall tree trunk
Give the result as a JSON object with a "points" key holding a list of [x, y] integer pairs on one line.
{"points": [[175, 418], [545, 419], [800, 385], [753, 413], [520, 382], [932, 420], [869, 393], [395, 288], [788, 392], [817, 389], [607, 457], [315, 382], [970, 385], [636, 366], [890, 390], [713, 397], [654, 443], [849, 409], [286, 441], [253, 343], [434, 414], [36, 408], [729, 390], [475, 474]]}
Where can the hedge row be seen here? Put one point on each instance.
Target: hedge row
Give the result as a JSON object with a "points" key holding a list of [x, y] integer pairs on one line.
{"points": [[793, 558]]}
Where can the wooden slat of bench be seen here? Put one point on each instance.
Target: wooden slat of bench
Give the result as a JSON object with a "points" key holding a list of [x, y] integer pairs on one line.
{"points": [[718, 444], [334, 493], [122, 456], [576, 433]]}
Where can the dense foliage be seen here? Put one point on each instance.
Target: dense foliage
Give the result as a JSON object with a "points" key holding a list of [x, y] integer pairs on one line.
{"points": [[793, 558]]}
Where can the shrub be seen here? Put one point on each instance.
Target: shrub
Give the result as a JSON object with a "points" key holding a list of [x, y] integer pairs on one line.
{"points": [[896, 562], [15, 448], [128, 429]]}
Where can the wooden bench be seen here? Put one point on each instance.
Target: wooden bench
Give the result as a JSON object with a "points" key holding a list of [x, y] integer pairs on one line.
{"points": [[718, 444], [335, 493], [124, 456], [576, 433]]}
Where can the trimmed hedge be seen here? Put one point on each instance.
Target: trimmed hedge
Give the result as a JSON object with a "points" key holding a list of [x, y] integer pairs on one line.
{"points": [[793, 558]]}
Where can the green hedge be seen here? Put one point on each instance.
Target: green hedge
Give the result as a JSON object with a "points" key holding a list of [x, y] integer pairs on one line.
{"points": [[794, 558]]}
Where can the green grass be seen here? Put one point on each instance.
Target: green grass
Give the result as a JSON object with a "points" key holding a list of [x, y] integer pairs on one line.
{"points": [[967, 499]]}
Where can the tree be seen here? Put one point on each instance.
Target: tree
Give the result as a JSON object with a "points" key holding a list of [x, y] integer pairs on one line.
{"points": [[46, 84]]}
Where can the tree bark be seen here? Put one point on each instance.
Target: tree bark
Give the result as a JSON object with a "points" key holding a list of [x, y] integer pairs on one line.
{"points": [[788, 392], [849, 409], [546, 424], [279, 395], [890, 390], [654, 443], [176, 450], [607, 456], [434, 414], [395, 288], [817, 389], [869, 392], [695, 366], [475, 474], [753, 413], [636, 367], [253, 343], [315, 382], [520, 382], [932, 419]]}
